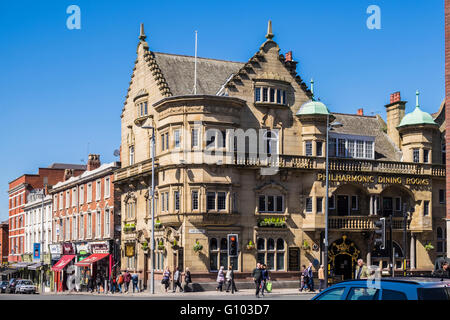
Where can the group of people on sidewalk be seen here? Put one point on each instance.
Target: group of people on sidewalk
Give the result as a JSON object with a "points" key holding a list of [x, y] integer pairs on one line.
{"points": [[118, 283], [261, 277], [227, 278], [177, 279]]}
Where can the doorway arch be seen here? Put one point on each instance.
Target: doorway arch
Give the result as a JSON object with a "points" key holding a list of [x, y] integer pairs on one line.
{"points": [[343, 255]]}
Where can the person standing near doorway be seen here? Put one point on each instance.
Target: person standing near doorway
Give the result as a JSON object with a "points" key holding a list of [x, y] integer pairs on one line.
{"points": [[362, 272]]}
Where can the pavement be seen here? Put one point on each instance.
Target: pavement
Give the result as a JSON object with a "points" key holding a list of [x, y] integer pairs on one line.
{"points": [[244, 294]]}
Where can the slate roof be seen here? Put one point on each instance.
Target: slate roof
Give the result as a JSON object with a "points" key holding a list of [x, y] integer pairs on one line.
{"points": [[67, 166], [369, 126], [178, 70]]}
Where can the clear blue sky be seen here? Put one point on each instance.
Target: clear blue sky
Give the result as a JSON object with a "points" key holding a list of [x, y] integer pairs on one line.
{"points": [[64, 89]]}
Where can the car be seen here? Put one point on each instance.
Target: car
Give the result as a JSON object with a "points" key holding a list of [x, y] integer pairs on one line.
{"points": [[12, 285], [3, 286], [408, 288], [25, 286]]}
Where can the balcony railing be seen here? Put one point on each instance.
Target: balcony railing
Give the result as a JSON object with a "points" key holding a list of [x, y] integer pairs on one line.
{"points": [[361, 223]]}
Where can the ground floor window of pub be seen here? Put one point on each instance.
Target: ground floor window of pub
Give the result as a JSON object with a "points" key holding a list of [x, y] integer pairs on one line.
{"points": [[131, 262], [441, 246], [271, 253], [218, 255]]}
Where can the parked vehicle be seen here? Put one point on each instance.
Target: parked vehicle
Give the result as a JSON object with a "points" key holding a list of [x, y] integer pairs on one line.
{"points": [[12, 285], [25, 286], [408, 288], [3, 286]]}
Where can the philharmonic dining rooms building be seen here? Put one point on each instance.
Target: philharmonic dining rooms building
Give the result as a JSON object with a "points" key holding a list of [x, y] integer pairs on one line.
{"points": [[272, 198]]}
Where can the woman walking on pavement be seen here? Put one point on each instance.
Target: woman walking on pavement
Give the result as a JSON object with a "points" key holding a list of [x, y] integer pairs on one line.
{"points": [[230, 280], [265, 277], [220, 279], [187, 279], [303, 278], [166, 279], [120, 281], [177, 280], [321, 276]]}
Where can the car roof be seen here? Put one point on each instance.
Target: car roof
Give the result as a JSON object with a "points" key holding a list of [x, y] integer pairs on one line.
{"points": [[406, 280]]}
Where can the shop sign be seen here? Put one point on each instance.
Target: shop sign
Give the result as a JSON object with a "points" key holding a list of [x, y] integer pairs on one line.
{"points": [[362, 178], [55, 249], [129, 250], [83, 248], [197, 231], [67, 248], [99, 247]]}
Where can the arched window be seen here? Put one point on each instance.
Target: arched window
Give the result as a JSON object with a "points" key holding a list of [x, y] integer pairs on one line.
{"points": [[219, 255], [270, 255]]}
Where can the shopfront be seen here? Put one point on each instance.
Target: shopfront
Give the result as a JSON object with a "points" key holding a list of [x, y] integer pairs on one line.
{"points": [[62, 269], [97, 264]]}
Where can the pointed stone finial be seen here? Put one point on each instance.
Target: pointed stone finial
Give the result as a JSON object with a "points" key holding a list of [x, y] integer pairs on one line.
{"points": [[417, 98], [142, 35], [269, 34], [312, 88]]}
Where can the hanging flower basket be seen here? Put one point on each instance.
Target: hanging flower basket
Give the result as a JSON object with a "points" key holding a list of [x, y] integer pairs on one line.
{"points": [[197, 247], [145, 246], [429, 246], [161, 246], [306, 246], [129, 227], [251, 245], [175, 244], [158, 224]]}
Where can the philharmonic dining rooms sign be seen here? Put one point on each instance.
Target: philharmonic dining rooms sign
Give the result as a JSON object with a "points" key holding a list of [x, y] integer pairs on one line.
{"points": [[361, 178]]}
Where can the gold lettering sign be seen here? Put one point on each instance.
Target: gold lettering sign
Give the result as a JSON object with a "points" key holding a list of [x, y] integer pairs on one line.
{"points": [[129, 250], [360, 178]]}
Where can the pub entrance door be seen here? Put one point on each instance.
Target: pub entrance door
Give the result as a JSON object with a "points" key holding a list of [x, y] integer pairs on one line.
{"points": [[342, 205], [343, 266]]}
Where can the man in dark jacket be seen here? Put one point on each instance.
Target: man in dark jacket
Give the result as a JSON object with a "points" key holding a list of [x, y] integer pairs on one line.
{"points": [[444, 272], [257, 277], [127, 280]]}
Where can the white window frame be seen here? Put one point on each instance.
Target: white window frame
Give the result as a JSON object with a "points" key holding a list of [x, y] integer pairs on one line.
{"points": [[107, 222], [98, 190], [74, 197], [107, 187], [81, 193], [98, 224], [89, 193]]}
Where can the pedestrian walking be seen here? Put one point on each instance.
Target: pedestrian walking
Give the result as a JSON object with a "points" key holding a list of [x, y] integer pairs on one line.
{"points": [[220, 279], [98, 282], [177, 280], [265, 277], [257, 278], [120, 282], [310, 277], [303, 279], [135, 281], [113, 284], [230, 280], [90, 284], [321, 276], [187, 280], [127, 280], [362, 272], [166, 279]]}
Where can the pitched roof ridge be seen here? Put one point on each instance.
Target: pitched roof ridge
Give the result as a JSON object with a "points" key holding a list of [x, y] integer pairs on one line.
{"points": [[188, 56], [355, 115]]}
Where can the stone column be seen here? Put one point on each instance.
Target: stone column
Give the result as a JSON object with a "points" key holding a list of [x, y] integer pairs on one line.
{"points": [[412, 254], [369, 258], [371, 205]]}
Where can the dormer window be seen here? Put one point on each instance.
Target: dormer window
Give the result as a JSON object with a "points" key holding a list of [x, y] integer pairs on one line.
{"points": [[270, 95], [351, 146]]}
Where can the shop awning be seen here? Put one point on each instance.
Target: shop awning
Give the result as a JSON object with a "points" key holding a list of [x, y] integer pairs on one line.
{"points": [[20, 265], [8, 272], [91, 259], [63, 262], [35, 266]]}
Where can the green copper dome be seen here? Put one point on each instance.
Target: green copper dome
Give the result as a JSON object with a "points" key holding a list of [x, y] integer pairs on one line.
{"points": [[313, 107], [417, 117]]}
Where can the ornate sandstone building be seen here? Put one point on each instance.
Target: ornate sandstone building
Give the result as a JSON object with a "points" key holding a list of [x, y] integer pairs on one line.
{"points": [[245, 155]]}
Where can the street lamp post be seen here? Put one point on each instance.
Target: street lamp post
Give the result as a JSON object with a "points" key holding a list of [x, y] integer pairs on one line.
{"points": [[152, 194], [329, 127]]}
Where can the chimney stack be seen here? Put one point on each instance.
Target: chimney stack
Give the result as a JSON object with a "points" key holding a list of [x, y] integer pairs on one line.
{"points": [[93, 162], [360, 112], [68, 173], [395, 111], [288, 56]]}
